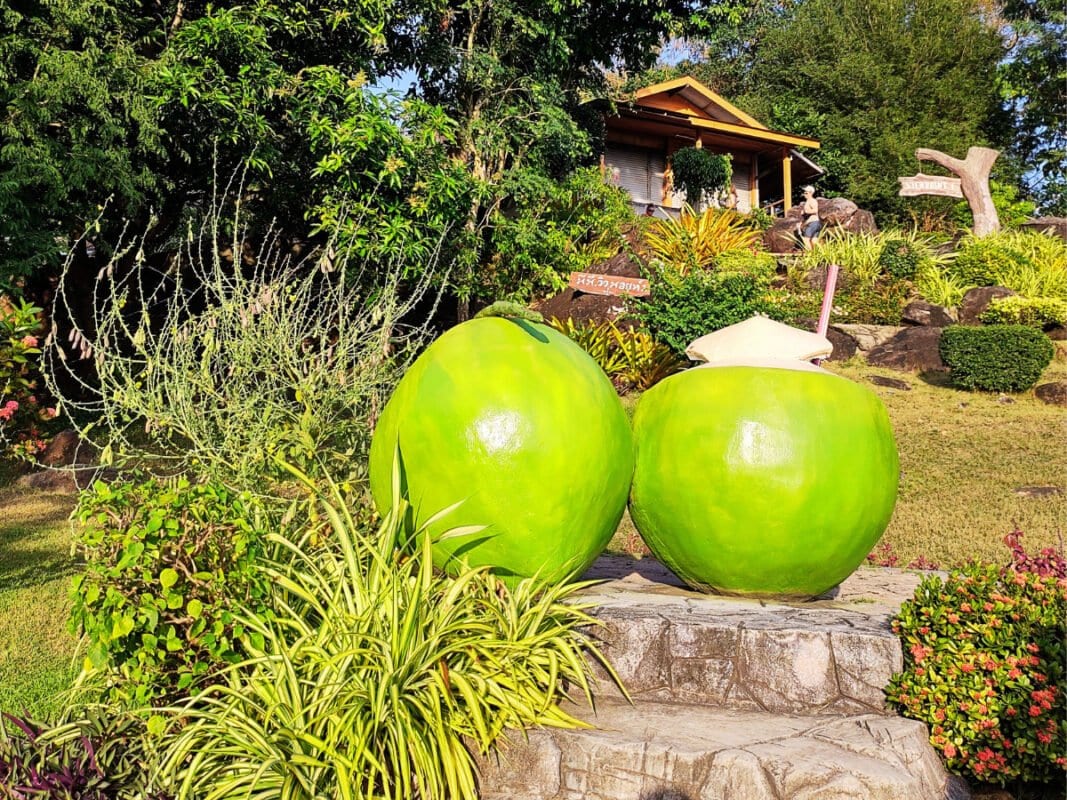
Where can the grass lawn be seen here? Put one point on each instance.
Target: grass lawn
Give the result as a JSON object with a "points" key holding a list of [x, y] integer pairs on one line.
{"points": [[963, 456], [35, 568]]}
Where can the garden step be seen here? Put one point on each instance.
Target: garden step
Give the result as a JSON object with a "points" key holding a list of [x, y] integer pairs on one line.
{"points": [[670, 644], [640, 752]]}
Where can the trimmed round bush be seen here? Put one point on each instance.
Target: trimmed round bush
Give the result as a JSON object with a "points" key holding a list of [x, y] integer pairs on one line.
{"points": [[995, 358], [898, 259]]}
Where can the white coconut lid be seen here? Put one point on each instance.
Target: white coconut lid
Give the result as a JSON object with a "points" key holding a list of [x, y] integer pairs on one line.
{"points": [[758, 338]]}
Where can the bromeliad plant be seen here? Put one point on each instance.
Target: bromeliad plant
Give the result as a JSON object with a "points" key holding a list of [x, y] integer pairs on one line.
{"points": [[631, 357], [378, 676], [693, 241]]}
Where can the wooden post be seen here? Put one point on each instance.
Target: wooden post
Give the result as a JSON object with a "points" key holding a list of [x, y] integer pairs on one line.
{"points": [[973, 172], [753, 183], [787, 179]]}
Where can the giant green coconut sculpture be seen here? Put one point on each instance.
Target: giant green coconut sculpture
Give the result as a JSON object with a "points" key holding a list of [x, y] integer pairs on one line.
{"points": [[762, 476], [521, 425]]}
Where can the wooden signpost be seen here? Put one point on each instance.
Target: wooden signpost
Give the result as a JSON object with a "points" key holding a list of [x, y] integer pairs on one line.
{"points": [[921, 184], [972, 183], [611, 285]]}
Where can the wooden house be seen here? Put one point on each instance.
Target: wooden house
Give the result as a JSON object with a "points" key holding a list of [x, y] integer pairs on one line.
{"points": [[642, 134]]}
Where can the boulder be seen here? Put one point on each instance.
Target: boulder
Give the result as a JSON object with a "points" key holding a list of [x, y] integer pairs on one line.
{"points": [[844, 345], [1057, 226], [890, 383], [977, 300], [861, 222], [915, 348], [1056, 333], [1055, 394], [66, 449], [836, 211], [919, 312], [582, 307], [867, 337], [782, 236]]}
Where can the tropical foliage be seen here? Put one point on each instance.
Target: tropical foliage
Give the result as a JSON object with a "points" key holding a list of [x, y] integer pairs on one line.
{"points": [[693, 241], [377, 676]]}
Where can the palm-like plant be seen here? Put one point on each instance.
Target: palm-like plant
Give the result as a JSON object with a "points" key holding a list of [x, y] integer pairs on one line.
{"points": [[378, 675], [693, 241]]}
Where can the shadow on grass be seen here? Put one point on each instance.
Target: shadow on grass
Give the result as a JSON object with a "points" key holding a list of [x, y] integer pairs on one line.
{"points": [[34, 543], [25, 563]]}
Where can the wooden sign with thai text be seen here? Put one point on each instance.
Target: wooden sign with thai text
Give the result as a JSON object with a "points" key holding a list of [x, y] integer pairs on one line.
{"points": [[920, 184], [613, 285]]}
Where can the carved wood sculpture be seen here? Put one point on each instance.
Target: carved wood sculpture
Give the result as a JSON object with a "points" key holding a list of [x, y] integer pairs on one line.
{"points": [[974, 178]]}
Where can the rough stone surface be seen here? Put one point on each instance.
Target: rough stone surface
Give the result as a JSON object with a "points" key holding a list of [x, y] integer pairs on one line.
{"points": [[1055, 394], [705, 754], [919, 312], [836, 211], [915, 348], [1056, 333], [844, 345], [782, 236], [861, 222], [890, 383], [734, 699], [977, 300], [1053, 225], [670, 644], [1038, 491], [867, 337]]}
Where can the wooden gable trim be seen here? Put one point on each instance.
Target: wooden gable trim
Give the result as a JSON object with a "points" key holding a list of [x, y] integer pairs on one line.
{"points": [[674, 86], [764, 134]]}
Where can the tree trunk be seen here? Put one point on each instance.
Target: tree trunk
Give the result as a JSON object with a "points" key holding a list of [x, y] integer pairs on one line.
{"points": [[973, 173]]}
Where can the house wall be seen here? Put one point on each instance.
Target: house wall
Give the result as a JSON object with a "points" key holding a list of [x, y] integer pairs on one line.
{"points": [[640, 170]]}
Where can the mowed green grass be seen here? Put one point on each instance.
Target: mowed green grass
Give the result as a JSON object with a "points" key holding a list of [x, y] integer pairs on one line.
{"points": [[963, 456], [35, 568]]}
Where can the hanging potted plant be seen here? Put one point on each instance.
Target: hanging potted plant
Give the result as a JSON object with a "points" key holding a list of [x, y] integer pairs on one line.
{"points": [[699, 172]]}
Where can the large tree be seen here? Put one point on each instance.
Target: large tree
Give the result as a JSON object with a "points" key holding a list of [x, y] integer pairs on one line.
{"points": [[1034, 80], [876, 79]]}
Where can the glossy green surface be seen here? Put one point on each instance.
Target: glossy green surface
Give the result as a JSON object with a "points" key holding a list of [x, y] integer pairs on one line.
{"points": [[762, 481], [519, 423]]}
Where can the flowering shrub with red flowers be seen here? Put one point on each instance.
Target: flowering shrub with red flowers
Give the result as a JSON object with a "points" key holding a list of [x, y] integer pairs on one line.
{"points": [[23, 418], [984, 663]]}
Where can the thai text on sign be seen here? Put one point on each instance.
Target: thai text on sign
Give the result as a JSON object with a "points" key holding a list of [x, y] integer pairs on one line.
{"points": [[929, 184], [592, 283]]}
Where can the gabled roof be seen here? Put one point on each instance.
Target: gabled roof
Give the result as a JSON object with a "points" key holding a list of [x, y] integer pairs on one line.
{"points": [[690, 100], [713, 105]]}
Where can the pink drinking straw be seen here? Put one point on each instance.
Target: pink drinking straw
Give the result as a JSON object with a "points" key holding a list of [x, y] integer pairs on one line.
{"points": [[827, 302]]}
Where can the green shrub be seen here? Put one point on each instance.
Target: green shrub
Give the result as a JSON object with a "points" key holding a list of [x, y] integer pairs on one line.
{"points": [[747, 262], [167, 566], [683, 309], [698, 172], [880, 303], [984, 657], [899, 259], [1036, 312], [221, 370], [692, 242], [632, 358], [378, 675], [985, 261], [995, 358]]}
